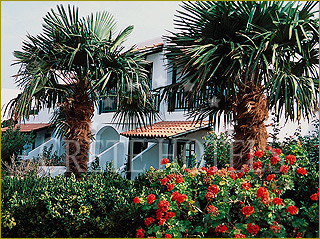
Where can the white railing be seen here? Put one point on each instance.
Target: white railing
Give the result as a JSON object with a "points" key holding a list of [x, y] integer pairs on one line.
{"points": [[144, 160], [113, 154], [57, 146]]}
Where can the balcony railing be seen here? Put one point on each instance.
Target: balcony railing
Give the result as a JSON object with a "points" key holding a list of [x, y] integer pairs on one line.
{"points": [[178, 100], [108, 104]]}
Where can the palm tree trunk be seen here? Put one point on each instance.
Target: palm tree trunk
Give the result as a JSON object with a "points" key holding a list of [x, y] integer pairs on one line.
{"points": [[250, 114], [79, 112]]}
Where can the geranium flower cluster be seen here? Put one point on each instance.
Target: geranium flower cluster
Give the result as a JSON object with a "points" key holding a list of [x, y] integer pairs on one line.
{"points": [[212, 191], [187, 199]]}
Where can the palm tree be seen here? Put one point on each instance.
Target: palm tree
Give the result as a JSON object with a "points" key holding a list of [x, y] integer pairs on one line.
{"points": [[249, 58], [71, 64]]}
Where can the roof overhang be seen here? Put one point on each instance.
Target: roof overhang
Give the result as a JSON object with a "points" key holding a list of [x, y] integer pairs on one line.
{"points": [[167, 130], [26, 128]]}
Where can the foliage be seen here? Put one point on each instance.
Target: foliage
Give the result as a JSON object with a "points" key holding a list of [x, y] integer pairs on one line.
{"points": [[75, 54], [306, 148], [20, 168], [217, 149], [209, 202], [171, 202], [49, 158], [96, 206], [221, 48], [72, 64], [13, 141], [8, 123]]}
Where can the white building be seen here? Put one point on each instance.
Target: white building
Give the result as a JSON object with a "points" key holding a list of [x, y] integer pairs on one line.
{"points": [[174, 135]]}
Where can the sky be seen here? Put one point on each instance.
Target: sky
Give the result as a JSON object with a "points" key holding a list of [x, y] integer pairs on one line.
{"points": [[151, 20]]}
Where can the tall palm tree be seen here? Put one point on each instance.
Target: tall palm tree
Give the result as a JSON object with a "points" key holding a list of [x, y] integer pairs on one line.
{"points": [[70, 65], [249, 57]]}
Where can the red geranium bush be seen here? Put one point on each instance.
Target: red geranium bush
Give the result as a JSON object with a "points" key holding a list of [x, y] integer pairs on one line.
{"points": [[212, 202]]}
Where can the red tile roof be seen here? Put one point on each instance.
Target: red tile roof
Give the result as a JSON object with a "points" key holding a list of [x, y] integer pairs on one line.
{"points": [[166, 129], [28, 127]]}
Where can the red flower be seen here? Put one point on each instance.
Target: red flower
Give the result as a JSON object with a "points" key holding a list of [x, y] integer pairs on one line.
{"points": [[240, 174], [187, 170], [162, 221], [213, 188], [253, 229], [269, 148], [151, 198], [239, 235], [315, 196], [271, 177], [298, 235], [170, 186], [284, 168], [292, 210], [159, 214], [175, 196], [212, 170], [257, 165], [169, 215], [274, 160], [163, 206], [246, 186], [167, 236], [181, 198], [301, 171], [136, 200], [140, 233], [278, 201], [220, 229], [277, 151], [263, 194], [247, 210], [259, 153], [164, 161], [210, 195], [164, 181], [212, 209], [291, 159], [148, 221], [179, 179], [233, 175], [275, 227], [170, 176]]}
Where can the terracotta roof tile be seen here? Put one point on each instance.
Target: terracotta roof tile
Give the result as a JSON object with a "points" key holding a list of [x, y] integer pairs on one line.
{"points": [[166, 129], [28, 127]]}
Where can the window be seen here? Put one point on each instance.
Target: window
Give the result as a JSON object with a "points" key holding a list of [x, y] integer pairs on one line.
{"points": [[139, 146], [34, 111], [149, 68], [186, 150], [108, 103]]}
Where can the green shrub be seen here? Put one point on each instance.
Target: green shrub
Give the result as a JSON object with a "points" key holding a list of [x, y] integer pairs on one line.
{"points": [[12, 143], [97, 206], [50, 158], [217, 149]]}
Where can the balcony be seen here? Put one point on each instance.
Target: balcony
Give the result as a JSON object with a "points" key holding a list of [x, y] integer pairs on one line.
{"points": [[108, 104], [178, 101]]}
